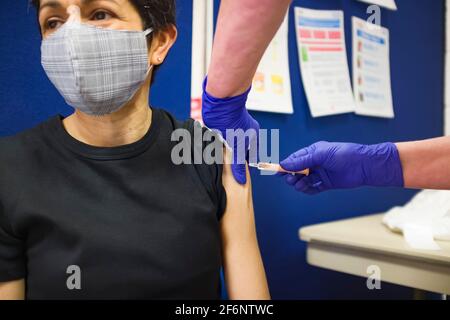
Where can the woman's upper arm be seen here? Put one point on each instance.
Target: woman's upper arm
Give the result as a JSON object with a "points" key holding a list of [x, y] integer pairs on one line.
{"points": [[12, 290], [244, 270]]}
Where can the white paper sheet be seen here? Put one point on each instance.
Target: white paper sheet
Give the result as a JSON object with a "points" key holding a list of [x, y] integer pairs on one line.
{"points": [[371, 70], [389, 4], [271, 91], [202, 26], [323, 61]]}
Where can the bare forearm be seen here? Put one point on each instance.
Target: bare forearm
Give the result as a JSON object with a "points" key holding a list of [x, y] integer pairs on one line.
{"points": [[244, 31], [13, 290], [426, 164], [244, 273], [243, 267], [245, 276]]}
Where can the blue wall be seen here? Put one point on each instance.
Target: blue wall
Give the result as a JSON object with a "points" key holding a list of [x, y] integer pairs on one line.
{"points": [[417, 45]]}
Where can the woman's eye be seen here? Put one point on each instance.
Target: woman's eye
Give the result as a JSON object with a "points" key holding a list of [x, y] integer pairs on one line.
{"points": [[101, 15], [53, 24]]}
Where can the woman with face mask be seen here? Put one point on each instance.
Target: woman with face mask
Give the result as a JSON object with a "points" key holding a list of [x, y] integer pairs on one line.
{"points": [[93, 206]]}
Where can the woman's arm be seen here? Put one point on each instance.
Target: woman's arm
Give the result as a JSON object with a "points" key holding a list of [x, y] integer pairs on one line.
{"points": [[426, 164], [12, 290], [244, 270], [244, 31]]}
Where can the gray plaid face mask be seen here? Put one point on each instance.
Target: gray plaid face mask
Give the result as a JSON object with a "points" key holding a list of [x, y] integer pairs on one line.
{"points": [[96, 70]]}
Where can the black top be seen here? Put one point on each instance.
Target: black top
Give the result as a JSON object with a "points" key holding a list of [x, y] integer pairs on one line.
{"points": [[84, 222]]}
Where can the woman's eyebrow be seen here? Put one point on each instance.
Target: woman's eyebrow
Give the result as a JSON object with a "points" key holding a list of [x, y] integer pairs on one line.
{"points": [[86, 2], [50, 4]]}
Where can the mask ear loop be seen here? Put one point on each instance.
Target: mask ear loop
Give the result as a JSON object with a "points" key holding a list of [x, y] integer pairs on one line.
{"points": [[146, 34]]}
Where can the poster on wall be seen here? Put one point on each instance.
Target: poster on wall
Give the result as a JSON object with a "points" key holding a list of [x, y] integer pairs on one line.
{"points": [[202, 36], [271, 90], [388, 4], [371, 70], [323, 61]]}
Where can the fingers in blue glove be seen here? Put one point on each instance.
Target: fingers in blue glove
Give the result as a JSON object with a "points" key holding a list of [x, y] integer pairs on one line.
{"points": [[311, 184], [299, 160], [292, 179], [302, 185]]}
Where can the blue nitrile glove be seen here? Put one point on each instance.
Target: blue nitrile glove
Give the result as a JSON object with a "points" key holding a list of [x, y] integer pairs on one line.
{"points": [[344, 165], [231, 113]]}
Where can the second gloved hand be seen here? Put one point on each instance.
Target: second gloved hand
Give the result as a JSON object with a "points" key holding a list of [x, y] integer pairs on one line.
{"points": [[344, 165], [231, 113]]}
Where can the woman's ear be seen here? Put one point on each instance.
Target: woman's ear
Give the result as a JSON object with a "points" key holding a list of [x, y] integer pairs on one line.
{"points": [[161, 43]]}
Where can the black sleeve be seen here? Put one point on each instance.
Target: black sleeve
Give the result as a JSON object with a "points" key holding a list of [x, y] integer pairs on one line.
{"points": [[220, 193], [12, 249], [12, 258], [211, 174]]}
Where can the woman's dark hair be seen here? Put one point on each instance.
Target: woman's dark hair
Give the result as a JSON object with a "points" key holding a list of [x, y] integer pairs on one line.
{"points": [[156, 14]]}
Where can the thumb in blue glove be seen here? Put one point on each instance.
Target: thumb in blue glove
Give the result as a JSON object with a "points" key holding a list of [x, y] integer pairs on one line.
{"points": [[344, 165], [231, 113]]}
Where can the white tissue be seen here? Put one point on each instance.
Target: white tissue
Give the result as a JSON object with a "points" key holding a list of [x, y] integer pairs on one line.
{"points": [[420, 237], [424, 218]]}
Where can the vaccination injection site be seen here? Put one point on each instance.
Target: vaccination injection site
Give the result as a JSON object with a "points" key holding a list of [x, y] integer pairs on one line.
{"points": [[225, 158]]}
